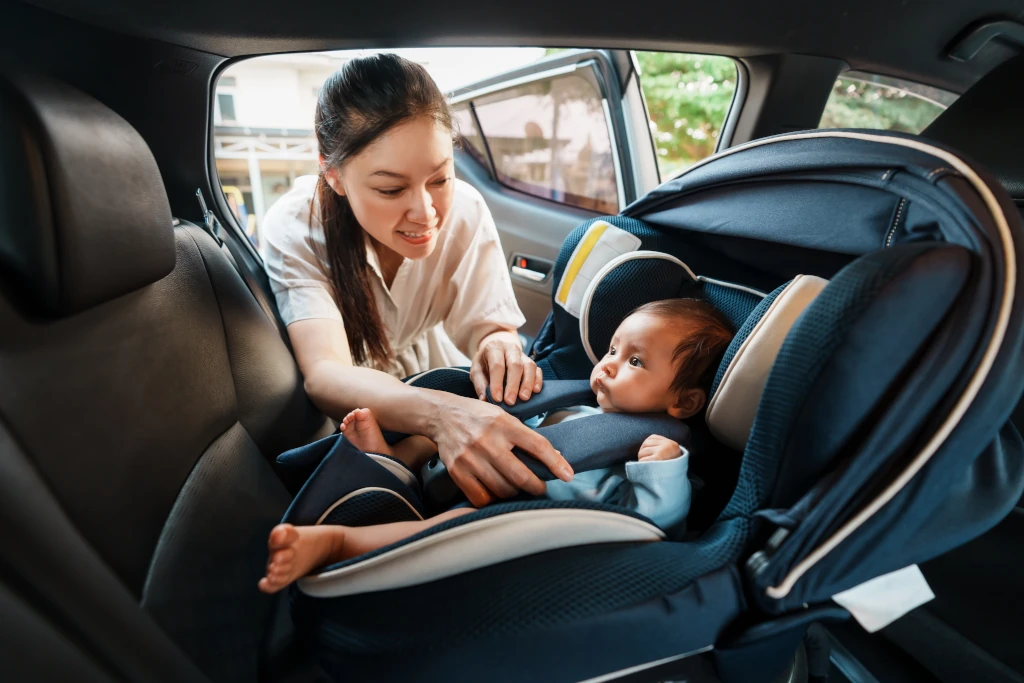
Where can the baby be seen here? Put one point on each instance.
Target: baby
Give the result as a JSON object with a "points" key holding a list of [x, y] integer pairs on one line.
{"points": [[662, 358]]}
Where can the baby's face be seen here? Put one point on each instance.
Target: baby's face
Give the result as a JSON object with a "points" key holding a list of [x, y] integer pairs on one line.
{"points": [[636, 374]]}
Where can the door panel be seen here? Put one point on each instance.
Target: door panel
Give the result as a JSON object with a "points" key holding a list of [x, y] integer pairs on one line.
{"points": [[529, 227]]}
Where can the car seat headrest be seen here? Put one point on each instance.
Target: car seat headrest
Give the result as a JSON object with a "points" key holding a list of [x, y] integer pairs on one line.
{"points": [[84, 216], [635, 278], [985, 124], [741, 379]]}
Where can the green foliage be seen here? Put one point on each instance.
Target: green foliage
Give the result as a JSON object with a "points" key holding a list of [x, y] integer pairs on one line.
{"points": [[861, 104], [688, 97]]}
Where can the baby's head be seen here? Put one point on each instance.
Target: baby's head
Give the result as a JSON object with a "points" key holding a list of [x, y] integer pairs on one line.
{"points": [[663, 358]]}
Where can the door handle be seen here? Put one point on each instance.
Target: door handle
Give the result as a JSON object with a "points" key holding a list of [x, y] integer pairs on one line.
{"points": [[527, 274], [530, 268]]}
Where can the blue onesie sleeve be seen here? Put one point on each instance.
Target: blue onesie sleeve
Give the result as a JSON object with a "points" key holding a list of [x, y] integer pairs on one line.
{"points": [[657, 489]]}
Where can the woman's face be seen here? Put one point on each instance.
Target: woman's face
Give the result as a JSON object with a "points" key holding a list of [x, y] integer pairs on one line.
{"points": [[401, 186]]}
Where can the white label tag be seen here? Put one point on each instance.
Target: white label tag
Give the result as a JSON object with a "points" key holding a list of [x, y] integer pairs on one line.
{"points": [[600, 244], [877, 603]]}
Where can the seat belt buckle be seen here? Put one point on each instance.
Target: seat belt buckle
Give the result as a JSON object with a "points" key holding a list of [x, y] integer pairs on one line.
{"points": [[210, 223]]}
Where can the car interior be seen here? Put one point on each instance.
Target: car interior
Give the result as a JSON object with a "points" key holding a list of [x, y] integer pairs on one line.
{"points": [[147, 384]]}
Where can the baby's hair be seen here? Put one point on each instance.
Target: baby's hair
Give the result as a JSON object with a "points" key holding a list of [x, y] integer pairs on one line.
{"points": [[708, 334]]}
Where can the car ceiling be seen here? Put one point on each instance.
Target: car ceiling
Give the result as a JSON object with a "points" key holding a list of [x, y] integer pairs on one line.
{"points": [[904, 38]]}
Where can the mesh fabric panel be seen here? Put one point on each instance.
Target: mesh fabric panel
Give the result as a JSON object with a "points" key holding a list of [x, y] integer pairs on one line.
{"points": [[814, 337], [370, 507], [735, 304]]}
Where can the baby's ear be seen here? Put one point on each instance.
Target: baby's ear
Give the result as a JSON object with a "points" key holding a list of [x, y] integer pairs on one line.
{"points": [[689, 404]]}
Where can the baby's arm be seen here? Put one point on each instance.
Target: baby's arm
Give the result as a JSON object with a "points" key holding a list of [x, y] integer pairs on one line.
{"points": [[657, 484]]}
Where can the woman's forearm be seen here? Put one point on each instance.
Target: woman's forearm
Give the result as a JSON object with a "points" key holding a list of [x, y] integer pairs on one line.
{"points": [[336, 389]]}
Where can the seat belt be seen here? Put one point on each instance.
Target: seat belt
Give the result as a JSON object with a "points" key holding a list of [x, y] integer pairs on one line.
{"points": [[234, 256]]}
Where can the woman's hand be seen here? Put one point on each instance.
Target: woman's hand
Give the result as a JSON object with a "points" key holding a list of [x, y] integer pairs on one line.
{"points": [[501, 364], [475, 441], [659, 448]]}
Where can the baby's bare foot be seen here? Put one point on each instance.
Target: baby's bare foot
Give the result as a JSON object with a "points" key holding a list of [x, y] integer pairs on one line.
{"points": [[296, 551], [361, 428]]}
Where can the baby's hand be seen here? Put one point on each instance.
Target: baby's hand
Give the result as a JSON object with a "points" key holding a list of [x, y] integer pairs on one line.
{"points": [[659, 448]]}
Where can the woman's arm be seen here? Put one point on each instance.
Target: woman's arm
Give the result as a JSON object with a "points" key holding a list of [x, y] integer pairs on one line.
{"points": [[474, 439]]}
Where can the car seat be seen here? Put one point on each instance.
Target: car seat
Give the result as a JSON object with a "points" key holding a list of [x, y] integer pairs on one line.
{"points": [[868, 414]]}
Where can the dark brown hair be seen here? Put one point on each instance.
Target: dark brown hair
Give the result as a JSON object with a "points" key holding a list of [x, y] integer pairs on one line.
{"points": [[708, 334], [358, 103]]}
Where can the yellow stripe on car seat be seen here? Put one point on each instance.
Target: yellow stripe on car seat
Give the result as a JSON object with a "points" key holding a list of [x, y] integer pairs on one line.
{"points": [[589, 240]]}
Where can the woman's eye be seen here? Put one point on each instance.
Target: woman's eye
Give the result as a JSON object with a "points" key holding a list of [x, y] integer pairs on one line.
{"points": [[636, 362], [441, 181], [391, 193]]}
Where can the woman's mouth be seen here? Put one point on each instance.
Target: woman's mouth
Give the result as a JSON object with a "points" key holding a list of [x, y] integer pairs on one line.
{"points": [[417, 237]]}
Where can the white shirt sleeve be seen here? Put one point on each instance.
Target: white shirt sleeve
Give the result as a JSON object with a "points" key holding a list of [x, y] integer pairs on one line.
{"points": [[480, 295], [290, 249]]}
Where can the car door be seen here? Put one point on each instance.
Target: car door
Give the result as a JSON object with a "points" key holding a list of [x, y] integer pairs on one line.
{"points": [[549, 146]]}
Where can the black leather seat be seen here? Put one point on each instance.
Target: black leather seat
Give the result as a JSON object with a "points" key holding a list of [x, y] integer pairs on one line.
{"points": [[143, 396]]}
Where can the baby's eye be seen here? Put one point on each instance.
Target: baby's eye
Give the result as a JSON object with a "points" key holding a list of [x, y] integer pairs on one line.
{"points": [[636, 362], [611, 351]]}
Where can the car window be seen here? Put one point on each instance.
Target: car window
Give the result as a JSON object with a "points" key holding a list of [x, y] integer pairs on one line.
{"points": [[688, 98], [262, 110], [549, 138], [863, 100]]}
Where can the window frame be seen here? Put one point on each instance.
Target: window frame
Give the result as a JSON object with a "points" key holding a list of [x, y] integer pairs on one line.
{"points": [[589, 61]]}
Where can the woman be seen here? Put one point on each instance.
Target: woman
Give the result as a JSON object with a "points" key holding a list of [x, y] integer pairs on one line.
{"points": [[384, 260]]}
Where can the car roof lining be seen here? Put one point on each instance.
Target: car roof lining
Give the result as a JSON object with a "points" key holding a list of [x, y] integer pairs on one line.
{"points": [[908, 39]]}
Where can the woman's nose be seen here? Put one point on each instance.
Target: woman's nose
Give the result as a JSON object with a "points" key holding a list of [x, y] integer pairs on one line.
{"points": [[422, 208]]}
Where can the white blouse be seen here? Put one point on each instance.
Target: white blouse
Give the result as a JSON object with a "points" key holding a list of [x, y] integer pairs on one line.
{"points": [[460, 293]]}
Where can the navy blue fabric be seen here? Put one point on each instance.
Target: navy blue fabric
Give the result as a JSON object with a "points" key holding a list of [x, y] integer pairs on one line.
{"points": [[667, 625], [909, 302], [557, 393], [964, 489], [370, 507], [735, 304], [628, 286], [597, 441], [344, 470]]}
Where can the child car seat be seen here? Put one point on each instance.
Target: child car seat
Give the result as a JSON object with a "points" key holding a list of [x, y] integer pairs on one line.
{"points": [[868, 414]]}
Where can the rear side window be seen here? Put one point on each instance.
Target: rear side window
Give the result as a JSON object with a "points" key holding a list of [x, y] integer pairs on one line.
{"points": [[863, 100], [688, 97], [549, 137]]}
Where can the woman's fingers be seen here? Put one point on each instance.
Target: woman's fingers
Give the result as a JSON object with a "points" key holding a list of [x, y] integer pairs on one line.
{"points": [[527, 386], [495, 359], [475, 491], [513, 372], [488, 474], [478, 376], [541, 449]]}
